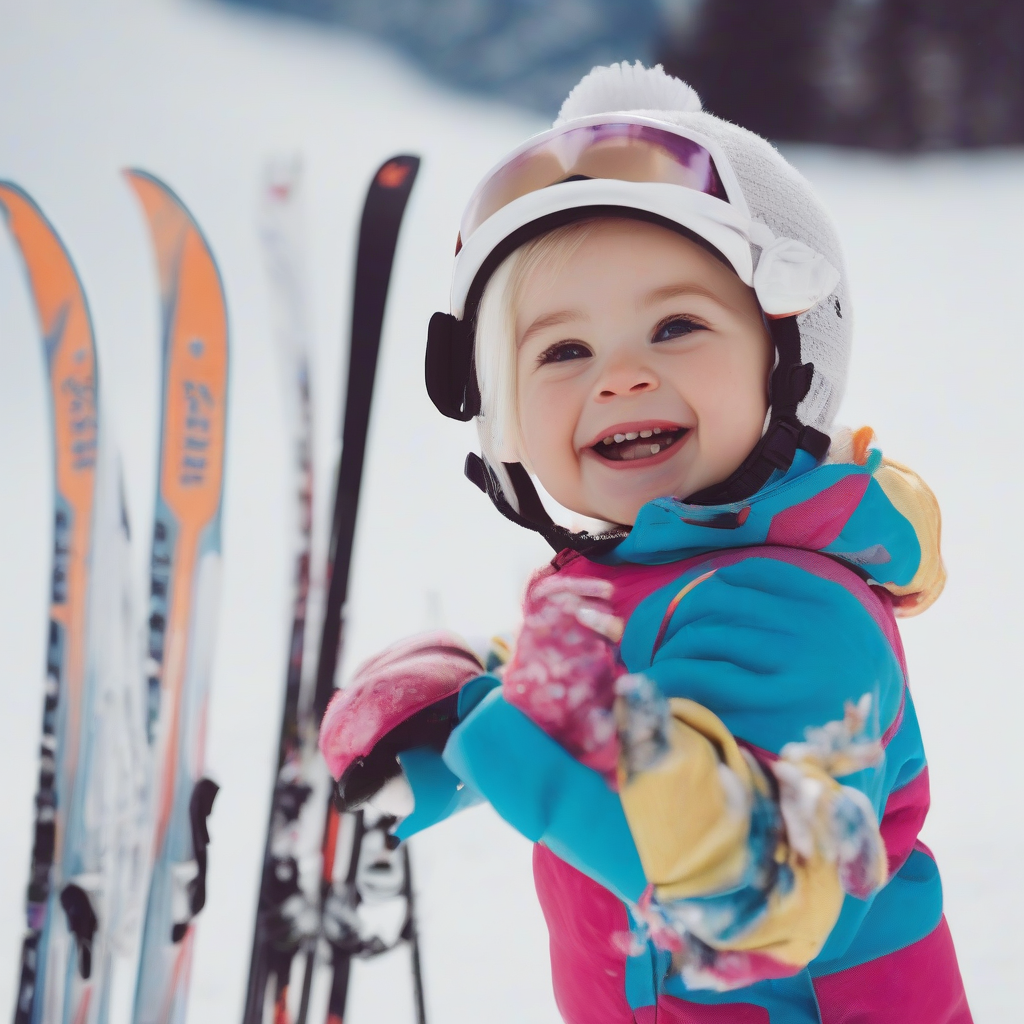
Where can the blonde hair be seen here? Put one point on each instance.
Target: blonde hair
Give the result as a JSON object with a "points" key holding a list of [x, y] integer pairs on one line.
{"points": [[495, 348]]}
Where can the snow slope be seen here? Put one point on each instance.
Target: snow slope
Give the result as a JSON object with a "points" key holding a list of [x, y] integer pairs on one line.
{"points": [[201, 95]]}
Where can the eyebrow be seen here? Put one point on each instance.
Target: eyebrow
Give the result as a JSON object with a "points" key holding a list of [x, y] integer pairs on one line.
{"points": [[670, 291], [563, 316]]}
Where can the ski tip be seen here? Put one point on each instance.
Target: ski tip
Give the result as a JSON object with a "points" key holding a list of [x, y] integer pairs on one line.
{"points": [[169, 219], [282, 175], [152, 190], [149, 190], [52, 275], [133, 173], [10, 186], [137, 179], [396, 171], [8, 190]]}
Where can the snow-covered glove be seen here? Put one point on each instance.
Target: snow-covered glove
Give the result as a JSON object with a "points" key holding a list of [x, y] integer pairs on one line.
{"points": [[748, 875], [822, 815], [562, 674], [405, 697]]}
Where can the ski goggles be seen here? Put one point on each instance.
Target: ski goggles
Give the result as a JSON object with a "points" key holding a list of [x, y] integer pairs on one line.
{"points": [[629, 151], [626, 166], [630, 166]]}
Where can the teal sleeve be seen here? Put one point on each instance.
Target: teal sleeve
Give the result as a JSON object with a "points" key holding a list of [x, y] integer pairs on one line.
{"points": [[473, 692], [437, 791], [546, 794], [774, 650]]}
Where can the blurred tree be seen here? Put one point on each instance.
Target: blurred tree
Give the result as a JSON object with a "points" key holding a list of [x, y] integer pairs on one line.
{"points": [[529, 51], [888, 74]]}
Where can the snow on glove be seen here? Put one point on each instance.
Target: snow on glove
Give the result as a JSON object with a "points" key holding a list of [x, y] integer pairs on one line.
{"points": [[821, 814], [405, 697], [562, 674], [747, 879]]}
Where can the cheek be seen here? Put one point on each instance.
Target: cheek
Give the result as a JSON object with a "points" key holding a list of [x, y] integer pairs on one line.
{"points": [[547, 420], [730, 395], [747, 377]]}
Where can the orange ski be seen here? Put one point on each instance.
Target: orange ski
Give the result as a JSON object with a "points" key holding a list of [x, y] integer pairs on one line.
{"points": [[49, 951], [184, 586]]}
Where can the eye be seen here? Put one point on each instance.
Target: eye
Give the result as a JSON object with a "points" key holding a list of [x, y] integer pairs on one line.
{"points": [[563, 351], [676, 327]]}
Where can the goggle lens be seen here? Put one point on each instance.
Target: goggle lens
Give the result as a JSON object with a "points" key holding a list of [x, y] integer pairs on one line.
{"points": [[622, 151]]}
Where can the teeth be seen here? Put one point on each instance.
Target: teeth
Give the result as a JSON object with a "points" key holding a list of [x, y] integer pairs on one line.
{"points": [[632, 435]]}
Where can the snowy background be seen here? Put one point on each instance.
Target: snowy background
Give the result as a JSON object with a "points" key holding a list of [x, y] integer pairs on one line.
{"points": [[202, 95]]}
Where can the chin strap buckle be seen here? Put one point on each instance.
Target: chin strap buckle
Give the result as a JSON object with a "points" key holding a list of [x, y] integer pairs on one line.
{"points": [[788, 435], [814, 441], [780, 443]]}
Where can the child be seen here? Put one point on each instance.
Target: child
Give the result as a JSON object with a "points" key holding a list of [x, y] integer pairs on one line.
{"points": [[705, 725]]}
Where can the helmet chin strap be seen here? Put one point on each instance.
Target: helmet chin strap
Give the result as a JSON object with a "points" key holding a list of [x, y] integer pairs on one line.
{"points": [[532, 514], [790, 381]]}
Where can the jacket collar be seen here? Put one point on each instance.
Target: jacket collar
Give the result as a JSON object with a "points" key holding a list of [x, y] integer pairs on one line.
{"points": [[837, 508]]}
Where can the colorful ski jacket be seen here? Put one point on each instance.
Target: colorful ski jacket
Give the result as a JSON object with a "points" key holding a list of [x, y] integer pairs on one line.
{"points": [[762, 622]]}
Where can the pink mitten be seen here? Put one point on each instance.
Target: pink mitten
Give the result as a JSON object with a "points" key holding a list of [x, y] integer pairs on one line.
{"points": [[404, 697], [563, 672]]}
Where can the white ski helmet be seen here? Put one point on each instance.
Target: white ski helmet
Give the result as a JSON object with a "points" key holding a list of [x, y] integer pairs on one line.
{"points": [[632, 141]]}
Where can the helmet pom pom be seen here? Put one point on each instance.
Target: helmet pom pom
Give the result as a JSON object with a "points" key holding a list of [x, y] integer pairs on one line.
{"points": [[626, 86]]}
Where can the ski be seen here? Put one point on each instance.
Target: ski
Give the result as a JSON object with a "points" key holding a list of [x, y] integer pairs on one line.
{"points": [[81, 870], [285, 915], [378, 875], [340, 896], [184, 593], [69, 345]]}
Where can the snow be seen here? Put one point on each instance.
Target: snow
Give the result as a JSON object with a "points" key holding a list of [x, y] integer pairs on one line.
{"points": [[201, 95]]}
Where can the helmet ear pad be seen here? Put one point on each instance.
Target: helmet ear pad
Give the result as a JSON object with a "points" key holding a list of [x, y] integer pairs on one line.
{"points": [[449, 371]]}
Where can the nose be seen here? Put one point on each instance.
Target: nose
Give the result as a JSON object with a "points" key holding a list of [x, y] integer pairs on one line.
{"points": [[626, 376]]}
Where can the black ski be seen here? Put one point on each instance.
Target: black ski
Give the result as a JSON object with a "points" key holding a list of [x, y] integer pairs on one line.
{"points": [[285, 910], [378, 237]]}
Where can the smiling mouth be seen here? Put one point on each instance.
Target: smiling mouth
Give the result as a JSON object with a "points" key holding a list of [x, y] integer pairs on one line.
{"points": [[639, 444]]}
